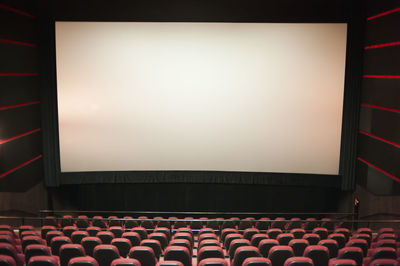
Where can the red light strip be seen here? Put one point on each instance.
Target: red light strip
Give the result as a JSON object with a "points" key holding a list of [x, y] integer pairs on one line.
{"points": [[379, 169], [381, 45], [17, 11], [379, 138], [384, 13], [18, 105], [18, 74], [382, 76], [21, 165], [18, 42], [380, 107], [19, 136]]}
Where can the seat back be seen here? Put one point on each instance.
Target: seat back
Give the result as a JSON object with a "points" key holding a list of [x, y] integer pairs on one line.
{"points": [[298, 233], [141, 231], [89, 243], [257, 238], [93, 230], [7, 261], [274, 232], [249, 232], [69, 251], [36, 250], [83, 261], [340, 239], [298, 246], [77, 236], [284, 239], [68, 230], [178, 253], [213, 262], [161, 237], [342, 262], [299, 261], [117, 231], [321, 231], [105, 254], [354, 253], [145, 255], [134, 237], [44, 261], [265, 245], [105, 236], [312, 239], [318, 254], [237, 243], [125, 262], [243, 253], [210, 252], [123, 245], [331, 245], [279, 254], [257, 261], [384, 262], [57, 242], [154, 244]]}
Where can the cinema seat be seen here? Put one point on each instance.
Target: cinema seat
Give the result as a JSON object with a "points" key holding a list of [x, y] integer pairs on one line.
{"points": [[328, 224], [77, 236], [145, 255], [213, 262], [384, 262], [169, 263], [179, 224], [23, 228], [183, 243], [237, 243], [294, 223], [45, 229], [212, 224], [228, 224], [331, 245], [93, 230], [245, 224], [105, 254], [184, 235], [229, 238], [184, 230], [340, 239], [299, 261], [366, 237], [318, 254], [244, 252], [310, 224], [164, 230], [44, 261], [389, 243], [353, 253], [285, 238], [265, 245], [130, 223], [207, 236], [364, 230], [10, 250], [82, 222], [298, 246], [279, 223], [69, 251], [36, 250], [210, 252], [178, 253], [279, 254], [57, 242], [321, 231], [209, 242], [164, 223], [256, 261], [227, 231], [382, 253], [141, 231], [125, 262], [312, 239], [344, 231], [7, 239], [67, 220], [29, 240], [134, 237], [89, 243], [274, 232], [361, 243], [68, 230], [298, 233], [154, 245], [263, 224], [148, 224], [196, 225], [51, 234], [249, 232], [206, 230], [161, 237], [83, 261], [29, 233], [342, 262], [257, 238], [114, 221], [385, 236], [50, 220], [123, 245], [7, 261], [99, 221], [385, 230], [105, 236]]}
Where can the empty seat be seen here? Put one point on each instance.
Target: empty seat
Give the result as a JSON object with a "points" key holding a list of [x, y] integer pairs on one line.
{"points": [[279, 223], [28, 233], [263, 224], [50, 220], [93, 230], [361, 243], [210, 252], [298, 246], [207, 236], [114, 221], [228, 224], [36, 250], [384, 262], [385, 230], [89, 243], [295, 222], [68, 230], [161, 237], [318, 254], [340, 239], [344, 231], [213, 262], [383, 253], [265, 246], [69, 251], [245, 224], [163, 230], [284, 239], [389, 243], [47, 228], [125, 262], [196, 225], [67, 220], [226, 232], [299, 261], [179, 223], [182, 243], [105, 254], [184, 230], [257, 238], [209, 242], [141, 231], [7, 261], [77, 236], [51, 234], [298, 233], [82, 222], [143, 254], [386, 236], [310, 224], [134, 237], [366, 237], [353, 253], [328, 224], [83, 261], [342, 262], [153, 244], [105, 236], [274, 232], [117, 231], [229, 238], [23, 228], [169, 263], [256, 261], [99, 221], [123, 245], [321, 231], [279, 254], [312, 239], [57, 242], [9, 250], [178, 253], [184, 235], [206, 230], [331, 245], [29, 240], [213, 224], [148, 224], [237, 243], [243, 253], [364, 230], [130, 223], [164, 223], [44, 261], [249, 232]]}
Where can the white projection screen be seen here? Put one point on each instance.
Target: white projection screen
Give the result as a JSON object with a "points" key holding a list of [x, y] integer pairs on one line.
{"points": [[251, 97]]}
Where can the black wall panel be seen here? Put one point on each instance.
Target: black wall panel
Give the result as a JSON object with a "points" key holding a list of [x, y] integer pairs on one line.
{"points": [[382, 61], [381, 92], [383, 29], [17, 58], [16, 90]]}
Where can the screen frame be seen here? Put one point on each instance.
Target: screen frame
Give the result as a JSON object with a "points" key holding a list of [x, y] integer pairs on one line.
{"points": [[345, 179]]}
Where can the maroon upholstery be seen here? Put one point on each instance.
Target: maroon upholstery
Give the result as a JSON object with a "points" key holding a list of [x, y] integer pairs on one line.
{"points": [[318, 254], [342, 262], [105, 254], [44, 261], [256, 261], [298, 246], [69, 251], [7, 261], [213, 262], [299, 261], [83, 261], [279, 254], [354, 253], [125, 262], [178, 253], [265, 245]]}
